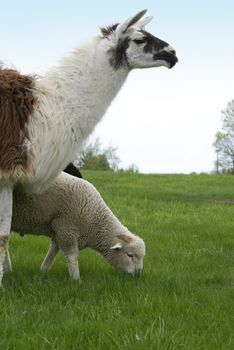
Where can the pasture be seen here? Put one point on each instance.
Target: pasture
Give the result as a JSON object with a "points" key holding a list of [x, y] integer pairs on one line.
{"points": [[183, 300]]}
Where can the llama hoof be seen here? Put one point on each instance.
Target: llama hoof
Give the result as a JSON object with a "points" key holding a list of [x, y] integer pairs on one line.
{"points": [[7, 268], [45, 268]]}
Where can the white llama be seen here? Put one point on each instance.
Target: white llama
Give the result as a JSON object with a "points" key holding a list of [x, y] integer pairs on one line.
{"points": [[43, 122]]}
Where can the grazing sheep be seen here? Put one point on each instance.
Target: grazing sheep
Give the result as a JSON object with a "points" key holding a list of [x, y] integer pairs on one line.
{"points": [[44, 122], [73, 214]]}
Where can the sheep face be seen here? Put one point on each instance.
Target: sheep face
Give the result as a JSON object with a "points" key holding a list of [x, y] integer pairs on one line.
{"points": [[127, 254]]}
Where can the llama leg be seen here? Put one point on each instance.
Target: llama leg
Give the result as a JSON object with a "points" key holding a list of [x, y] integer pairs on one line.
{"points": [[7, 262], [50, 256], [5, 223]]}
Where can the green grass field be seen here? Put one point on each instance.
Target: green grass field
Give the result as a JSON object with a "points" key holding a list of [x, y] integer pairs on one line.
{"points": [[183, 300]]}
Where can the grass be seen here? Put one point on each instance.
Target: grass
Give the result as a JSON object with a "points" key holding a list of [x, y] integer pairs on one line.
{"points": [[183, 300]]}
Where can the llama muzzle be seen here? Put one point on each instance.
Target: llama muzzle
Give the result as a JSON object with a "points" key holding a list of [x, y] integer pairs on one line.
{"points": [[169, 57]]}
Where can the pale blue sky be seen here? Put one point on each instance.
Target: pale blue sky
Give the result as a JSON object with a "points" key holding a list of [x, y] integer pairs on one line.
{"points": [[163, 120]]}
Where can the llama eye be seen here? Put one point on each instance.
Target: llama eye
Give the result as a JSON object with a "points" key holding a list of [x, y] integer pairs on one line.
{"points": [[130, 255], [140, 41]]}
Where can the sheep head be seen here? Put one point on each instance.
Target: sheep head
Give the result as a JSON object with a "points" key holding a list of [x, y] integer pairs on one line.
{"points": [[127, 253]]}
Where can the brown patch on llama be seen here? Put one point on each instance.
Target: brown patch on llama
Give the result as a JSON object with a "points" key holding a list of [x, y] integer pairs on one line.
{"points": [[16, 105]]}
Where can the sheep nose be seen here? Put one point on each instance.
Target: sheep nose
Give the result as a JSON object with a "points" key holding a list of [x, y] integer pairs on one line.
{"points": [[137, 272]]}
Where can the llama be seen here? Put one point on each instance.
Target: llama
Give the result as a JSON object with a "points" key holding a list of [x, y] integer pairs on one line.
{"points": [[44, 121], [73, 170]]}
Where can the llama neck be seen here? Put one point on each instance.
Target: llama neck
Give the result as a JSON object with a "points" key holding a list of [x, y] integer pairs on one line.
{"points": [[86, 84], [72, 98]]}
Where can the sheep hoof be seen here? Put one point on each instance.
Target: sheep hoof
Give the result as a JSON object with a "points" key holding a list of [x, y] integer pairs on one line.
{"points": [[76, 279]]}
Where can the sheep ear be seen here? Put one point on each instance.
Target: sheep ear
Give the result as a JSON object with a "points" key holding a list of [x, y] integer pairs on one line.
{"points": [[127, 239], [117, 246], [122, 27]]}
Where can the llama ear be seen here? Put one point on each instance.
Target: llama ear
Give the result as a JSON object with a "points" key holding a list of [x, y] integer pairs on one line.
{"points": [[143, 22], [122, 27], [117, 246]]}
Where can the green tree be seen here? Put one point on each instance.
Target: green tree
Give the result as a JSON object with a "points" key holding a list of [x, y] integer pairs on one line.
{"points": [[224, 140], [94, 157]]}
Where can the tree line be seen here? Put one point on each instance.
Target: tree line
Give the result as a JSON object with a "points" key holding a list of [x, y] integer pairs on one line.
{"points": [[96, 157]]}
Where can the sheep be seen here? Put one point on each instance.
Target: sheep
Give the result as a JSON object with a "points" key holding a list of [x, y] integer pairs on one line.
{"points": [[70, 169], [73, 214], [44, 121]]}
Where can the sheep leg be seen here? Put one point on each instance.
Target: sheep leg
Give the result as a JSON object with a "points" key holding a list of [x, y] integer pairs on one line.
{"points": [[70, 252], [72, 261], [68, 244], [50, 256], [5, 224]]}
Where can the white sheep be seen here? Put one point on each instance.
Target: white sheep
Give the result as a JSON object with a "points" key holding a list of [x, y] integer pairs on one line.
{"points": [[43, 122], [73, 214]]}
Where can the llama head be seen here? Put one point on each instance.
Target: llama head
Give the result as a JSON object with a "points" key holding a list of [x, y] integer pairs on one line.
{"points": [[136, 48], [127, 253]]}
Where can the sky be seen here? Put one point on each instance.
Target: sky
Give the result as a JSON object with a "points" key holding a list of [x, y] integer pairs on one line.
{"points": [[163, 121]]}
